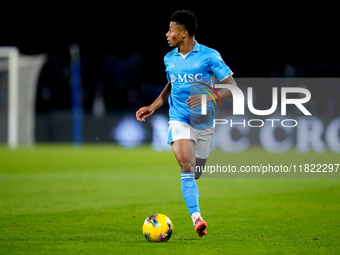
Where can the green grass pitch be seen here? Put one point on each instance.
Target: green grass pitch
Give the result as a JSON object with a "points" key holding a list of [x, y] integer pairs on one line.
{"points": [[59, 199]]}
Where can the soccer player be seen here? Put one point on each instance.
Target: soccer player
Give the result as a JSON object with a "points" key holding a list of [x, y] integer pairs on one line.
{"points": [[190, 133]]}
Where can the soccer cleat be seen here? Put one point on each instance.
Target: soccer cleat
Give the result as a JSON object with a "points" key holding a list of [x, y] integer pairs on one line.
{"points": [[201, 227]]}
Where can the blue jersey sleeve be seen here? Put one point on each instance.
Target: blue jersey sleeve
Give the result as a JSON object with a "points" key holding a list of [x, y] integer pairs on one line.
{"points": [[166, 68], [167, 76], [218, 67]]}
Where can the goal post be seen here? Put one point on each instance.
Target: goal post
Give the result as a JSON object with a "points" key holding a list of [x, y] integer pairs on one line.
{"points": [[18, 85], [12, 55]]}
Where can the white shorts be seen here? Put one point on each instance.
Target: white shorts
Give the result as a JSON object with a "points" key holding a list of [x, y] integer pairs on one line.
{"points": [[202, 137]]}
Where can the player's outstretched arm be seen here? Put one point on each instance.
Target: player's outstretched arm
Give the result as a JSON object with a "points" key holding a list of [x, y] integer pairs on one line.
{"points": [[147, 111], [226, 93]]}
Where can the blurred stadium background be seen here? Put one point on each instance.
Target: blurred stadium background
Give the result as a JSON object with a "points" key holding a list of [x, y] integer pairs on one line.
{"points": [[115, 57], [82, 70]]}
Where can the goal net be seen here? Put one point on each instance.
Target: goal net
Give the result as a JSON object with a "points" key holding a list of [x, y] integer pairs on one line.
{"points": [[18, 85]]}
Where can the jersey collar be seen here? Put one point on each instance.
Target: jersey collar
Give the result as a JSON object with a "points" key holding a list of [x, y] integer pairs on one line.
{"points": [[196, 47]]}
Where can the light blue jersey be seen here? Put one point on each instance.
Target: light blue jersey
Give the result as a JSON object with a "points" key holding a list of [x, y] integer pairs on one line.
{"points": [[187, 74]]}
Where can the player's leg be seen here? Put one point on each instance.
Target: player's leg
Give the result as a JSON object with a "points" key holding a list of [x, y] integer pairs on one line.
{"points": [[203, 144], [184, 151], [199, 166]]}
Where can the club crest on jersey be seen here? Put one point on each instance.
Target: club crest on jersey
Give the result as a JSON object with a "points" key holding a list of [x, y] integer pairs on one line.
{"points": [[186, 77], [196, 65]]}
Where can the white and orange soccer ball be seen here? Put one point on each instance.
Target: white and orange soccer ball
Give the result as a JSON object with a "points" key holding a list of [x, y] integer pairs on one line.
{"points": [[157, 228]]}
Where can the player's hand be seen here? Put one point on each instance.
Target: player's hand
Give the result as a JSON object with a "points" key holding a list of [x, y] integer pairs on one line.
{"points": [[194, 101], [144, 112]]}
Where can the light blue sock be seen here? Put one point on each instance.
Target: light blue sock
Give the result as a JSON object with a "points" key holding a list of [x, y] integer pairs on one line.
{"points": [[190, 192]]}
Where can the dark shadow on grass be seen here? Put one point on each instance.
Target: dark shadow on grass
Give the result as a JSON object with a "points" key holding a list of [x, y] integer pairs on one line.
{"points": [[178, 239]]}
